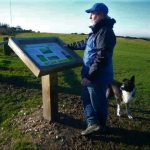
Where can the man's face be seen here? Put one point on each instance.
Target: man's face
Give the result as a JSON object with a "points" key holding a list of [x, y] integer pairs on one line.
{"points": [[96, 17]]}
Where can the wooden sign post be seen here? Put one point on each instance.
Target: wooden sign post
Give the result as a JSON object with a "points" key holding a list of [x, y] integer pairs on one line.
{"points": [[45, 57], [50, 96]]}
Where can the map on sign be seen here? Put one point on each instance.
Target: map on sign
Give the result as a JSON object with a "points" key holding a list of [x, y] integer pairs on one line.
{"points": [[46, 54]]}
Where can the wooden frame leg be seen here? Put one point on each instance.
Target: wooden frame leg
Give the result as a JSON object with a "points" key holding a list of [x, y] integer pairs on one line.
{"points": [[50, 96]]}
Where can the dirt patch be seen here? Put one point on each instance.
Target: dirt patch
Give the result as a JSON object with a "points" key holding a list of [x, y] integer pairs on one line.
{"points": [[63, 134]]}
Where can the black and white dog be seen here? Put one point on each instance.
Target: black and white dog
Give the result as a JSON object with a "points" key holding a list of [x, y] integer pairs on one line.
{"points": [[123, 93]]}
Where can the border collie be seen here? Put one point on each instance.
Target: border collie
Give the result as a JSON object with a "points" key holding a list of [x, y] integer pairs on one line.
{"points": [[123, 93]]}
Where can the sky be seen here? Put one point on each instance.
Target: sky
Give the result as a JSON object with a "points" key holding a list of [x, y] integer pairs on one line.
{"points": [[68, 16]]}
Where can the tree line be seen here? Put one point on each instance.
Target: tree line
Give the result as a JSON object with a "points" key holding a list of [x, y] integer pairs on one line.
{"points": [[5, 29]]}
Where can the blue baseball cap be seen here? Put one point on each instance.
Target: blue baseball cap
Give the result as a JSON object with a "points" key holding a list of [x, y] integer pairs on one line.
{"points": [[98, 7]]}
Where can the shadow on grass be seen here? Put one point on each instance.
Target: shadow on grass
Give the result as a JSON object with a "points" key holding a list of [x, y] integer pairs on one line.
{"points": [[22, 81], [120, 135], [137, 110], [140, 110], [6, 62], [1, 118], [19, 81], [5, 65], [4, 68], [115, 135], [70, 121], [142, 113], [71, 79], [142, 119]]}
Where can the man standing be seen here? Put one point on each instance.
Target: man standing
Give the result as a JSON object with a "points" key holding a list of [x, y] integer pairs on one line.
{"points": [[97, 70]]}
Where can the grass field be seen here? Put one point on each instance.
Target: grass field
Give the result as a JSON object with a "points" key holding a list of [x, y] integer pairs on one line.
{"points": [[20, 97]]}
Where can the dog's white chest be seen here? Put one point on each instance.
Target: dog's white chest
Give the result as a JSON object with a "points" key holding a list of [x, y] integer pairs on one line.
{"points": [[126, 96]]}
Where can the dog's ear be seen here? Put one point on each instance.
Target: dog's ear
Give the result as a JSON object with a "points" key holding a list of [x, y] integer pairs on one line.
{"points": [[133, 78]]}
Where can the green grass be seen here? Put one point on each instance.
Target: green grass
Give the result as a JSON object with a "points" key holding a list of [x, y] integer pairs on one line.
{"points": [[132, 57], [20, 90]]}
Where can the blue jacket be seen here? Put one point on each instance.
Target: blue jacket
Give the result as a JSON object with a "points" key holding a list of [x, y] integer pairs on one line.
{"points": [[97, 60]]}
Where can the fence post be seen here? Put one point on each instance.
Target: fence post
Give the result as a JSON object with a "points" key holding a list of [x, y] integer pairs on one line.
{"points": [[7, 50]]}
